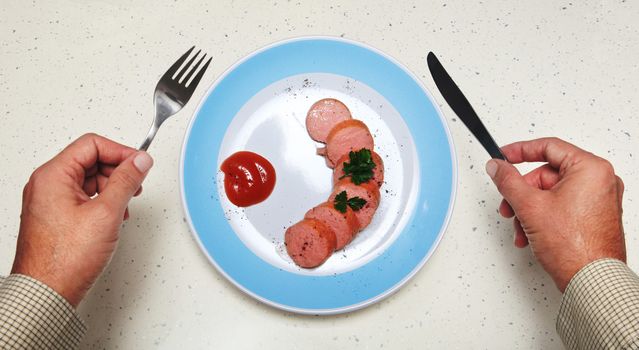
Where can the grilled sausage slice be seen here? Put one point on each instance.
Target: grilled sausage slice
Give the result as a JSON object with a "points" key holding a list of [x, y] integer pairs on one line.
{"points": [[323, 116], [309, 243], [346, 136], [367, 191], [344, 225]]}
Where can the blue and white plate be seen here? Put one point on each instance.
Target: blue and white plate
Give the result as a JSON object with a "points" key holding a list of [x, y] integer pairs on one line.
{"points": [[260, 105]]}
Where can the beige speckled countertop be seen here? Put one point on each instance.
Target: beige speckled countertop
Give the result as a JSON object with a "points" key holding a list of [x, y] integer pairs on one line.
{"points": [[531, 69]]}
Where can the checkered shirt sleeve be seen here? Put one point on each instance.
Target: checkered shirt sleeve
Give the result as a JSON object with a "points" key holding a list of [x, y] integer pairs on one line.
{"points": [[600, 308], [34, 316]]}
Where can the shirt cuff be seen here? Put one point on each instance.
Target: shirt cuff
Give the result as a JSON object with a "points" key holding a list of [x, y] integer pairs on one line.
{"points": [[600, 307], [34, 316]]}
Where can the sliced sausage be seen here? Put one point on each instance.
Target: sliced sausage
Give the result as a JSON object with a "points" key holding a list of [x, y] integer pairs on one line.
{"points": [[309, 243], [367, 191], [344, 225], [323, 116], [349, 135], [378, 171]]}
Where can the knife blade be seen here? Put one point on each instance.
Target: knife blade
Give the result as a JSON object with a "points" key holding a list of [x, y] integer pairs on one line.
{"points": [[460, 105]]}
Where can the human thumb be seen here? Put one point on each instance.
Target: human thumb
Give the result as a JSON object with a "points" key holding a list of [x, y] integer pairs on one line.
{"points": [[509, 182], [126, 179]]}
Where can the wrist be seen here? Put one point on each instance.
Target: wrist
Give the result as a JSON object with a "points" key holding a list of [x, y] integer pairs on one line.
{"points": [[566, 282], [72, 294], [580, 258]]}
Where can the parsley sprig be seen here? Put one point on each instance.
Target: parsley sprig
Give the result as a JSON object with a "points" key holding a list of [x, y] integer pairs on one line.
{"points": [[359, 167], [341, 202]]}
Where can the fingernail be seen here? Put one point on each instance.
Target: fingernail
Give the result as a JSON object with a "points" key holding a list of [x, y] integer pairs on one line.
{"points": [[143, 162], [491, 168]]}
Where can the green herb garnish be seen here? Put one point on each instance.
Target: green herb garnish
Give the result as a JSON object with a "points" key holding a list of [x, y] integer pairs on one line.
{"points": [[356, 203], [341, 202], [360, 166]]}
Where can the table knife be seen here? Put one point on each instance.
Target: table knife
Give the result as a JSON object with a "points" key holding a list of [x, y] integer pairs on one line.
{"points": [[460, 105]]}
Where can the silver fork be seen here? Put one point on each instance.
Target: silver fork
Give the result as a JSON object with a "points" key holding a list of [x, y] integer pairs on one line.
{"points": [[174, 90]]}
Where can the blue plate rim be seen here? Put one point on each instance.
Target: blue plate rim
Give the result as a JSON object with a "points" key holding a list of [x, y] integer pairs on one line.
{"points": [[390, 291]]}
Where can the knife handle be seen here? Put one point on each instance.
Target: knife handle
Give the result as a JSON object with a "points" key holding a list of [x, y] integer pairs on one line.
{"points": [[489, 144]]}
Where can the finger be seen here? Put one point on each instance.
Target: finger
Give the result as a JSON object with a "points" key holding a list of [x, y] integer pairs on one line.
{"points": [[90, 186], [544, 177], [102, 181], [506, 210], [82, 154], [106, 169], [556, 152], [91, 171], [125, 180], [520, 238], [510, 183], [91, 148], [620, 189]]}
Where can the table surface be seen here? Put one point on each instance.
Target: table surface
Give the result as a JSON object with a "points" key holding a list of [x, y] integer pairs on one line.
{"points": [[531, 69]]}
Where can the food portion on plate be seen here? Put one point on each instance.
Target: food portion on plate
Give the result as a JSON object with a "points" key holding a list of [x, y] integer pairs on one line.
{"points": [[346, 136], [248, 178], [358, 173], [323, 115], [362, 198], [343, 224]]}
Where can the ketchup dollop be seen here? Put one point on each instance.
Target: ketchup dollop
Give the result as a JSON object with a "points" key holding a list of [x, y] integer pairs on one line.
{"points": [[248, 178]]}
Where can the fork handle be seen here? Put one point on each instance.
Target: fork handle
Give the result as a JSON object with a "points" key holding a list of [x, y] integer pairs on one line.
{"points": [[149, 137]]}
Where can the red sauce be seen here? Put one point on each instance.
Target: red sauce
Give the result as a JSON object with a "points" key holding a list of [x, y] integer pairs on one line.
{"points": [[248, 178]]}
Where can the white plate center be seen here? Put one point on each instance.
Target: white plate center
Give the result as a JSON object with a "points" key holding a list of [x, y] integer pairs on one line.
{"points": [[272, 124]]}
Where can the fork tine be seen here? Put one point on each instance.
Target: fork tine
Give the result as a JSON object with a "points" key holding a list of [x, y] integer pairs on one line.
{"points": [[169, 73], [188, 76], [199, 76], [179, 76]]}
